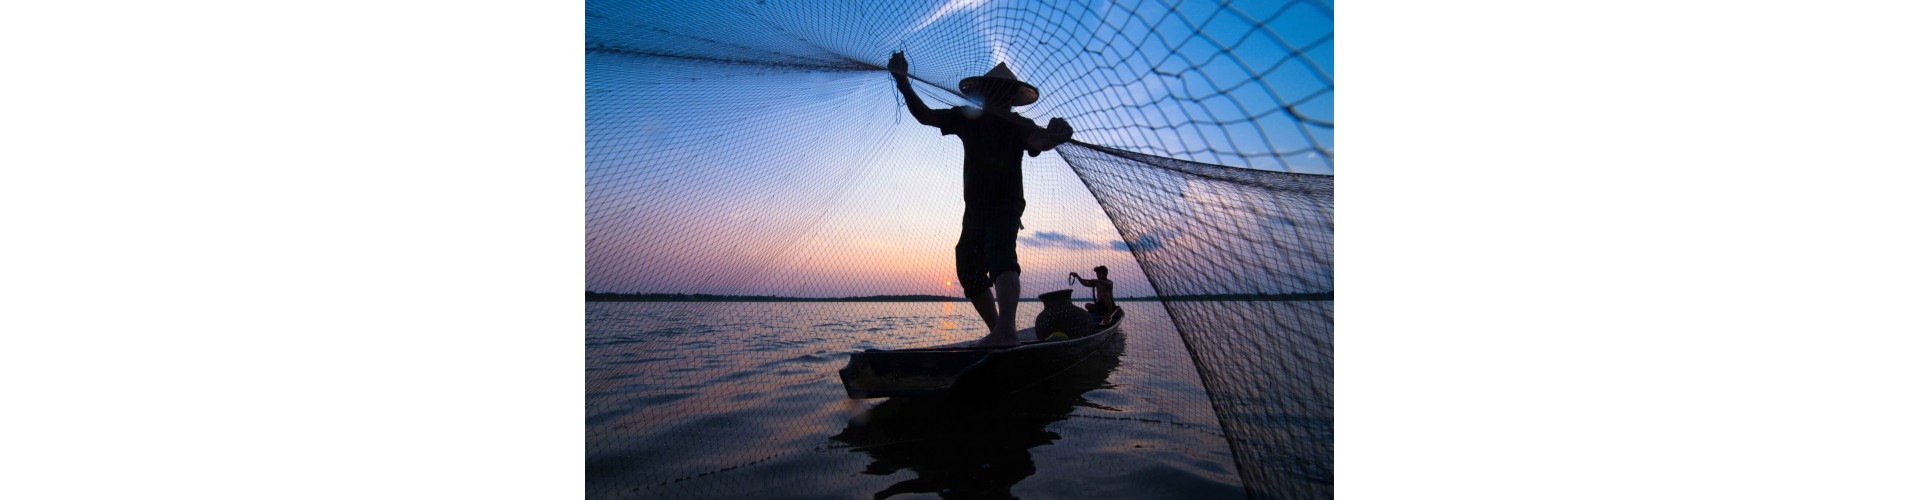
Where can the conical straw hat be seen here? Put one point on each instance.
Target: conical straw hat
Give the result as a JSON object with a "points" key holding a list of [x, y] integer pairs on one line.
{"points": [[1001, 74]]}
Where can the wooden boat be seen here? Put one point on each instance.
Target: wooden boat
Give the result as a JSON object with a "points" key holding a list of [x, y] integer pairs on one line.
{"points": [[956, 369]]}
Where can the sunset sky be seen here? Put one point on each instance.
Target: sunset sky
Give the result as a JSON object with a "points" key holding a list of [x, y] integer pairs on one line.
{"points": [[737, 179]]}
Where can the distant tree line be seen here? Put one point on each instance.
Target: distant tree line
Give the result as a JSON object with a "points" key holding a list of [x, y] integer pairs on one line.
{"points": [[1230, 297], [701, 297], [593, 296]]}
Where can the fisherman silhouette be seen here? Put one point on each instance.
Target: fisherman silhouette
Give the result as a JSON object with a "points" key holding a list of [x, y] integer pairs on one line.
{"points": [[1102, 304], [993, 137]]}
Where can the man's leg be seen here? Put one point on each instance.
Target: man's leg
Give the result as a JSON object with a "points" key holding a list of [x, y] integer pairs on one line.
{"points": [[1007, 285], [983, 303], [997, 237], [970, 265]]}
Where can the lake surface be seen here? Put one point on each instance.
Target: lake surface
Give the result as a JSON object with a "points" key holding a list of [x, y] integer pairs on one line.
{"points": [[742, 400]]}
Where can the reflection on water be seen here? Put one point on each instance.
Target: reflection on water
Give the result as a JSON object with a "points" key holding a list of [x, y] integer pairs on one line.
{"points": [[970, 450], [741, 400]]}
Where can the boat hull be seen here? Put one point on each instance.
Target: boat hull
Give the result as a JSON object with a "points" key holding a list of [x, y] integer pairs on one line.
{"points": [[956, 370]]}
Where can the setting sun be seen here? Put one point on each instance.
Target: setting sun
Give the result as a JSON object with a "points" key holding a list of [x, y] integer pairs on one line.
{"points": [[949, 283]]}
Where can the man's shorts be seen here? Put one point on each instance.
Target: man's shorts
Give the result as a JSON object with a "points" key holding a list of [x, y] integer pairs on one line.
{"points": [[986, 246]]}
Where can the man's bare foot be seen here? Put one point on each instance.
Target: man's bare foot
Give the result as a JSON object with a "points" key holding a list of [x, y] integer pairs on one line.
{"points": [[997, 339]]}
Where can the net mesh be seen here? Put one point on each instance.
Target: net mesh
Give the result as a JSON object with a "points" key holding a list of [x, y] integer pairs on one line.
{"points": [[1225, 248], [759, 148]]}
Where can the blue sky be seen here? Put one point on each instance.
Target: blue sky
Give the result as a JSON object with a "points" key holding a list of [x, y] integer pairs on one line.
{"points": [[740, 147]]}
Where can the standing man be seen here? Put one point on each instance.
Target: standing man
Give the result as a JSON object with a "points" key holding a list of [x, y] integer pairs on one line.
{"points": [[993, 137]]}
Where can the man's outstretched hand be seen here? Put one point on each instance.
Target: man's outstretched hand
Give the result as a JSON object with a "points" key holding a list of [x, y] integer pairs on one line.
{"points": [[1059, 129], [898, 65], [1043, 139]]}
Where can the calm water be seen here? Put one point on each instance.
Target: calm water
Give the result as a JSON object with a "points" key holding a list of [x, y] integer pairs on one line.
{"points": [[742, 400]]}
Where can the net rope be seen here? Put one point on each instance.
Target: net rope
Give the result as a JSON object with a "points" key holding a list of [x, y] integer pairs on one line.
{"points": [[759, 148]]}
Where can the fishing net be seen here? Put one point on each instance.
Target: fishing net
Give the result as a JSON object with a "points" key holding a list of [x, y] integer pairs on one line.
{"points": [[1243, 261], [760, 148]]}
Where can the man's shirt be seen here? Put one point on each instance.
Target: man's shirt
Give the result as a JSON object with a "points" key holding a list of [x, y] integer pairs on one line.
{"points": [[993, 147]]}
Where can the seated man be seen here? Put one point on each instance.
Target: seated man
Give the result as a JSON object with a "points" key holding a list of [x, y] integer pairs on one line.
{"points": [[1102, 305]]}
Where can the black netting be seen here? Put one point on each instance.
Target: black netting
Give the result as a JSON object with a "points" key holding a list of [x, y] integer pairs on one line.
{"points": [[1243, 260], [759, 148]]}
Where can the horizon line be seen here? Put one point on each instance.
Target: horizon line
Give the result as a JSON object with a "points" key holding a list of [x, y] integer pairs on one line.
{"points": [[593, 296]]}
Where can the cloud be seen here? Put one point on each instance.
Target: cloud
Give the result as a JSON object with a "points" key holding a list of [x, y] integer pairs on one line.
{"points": [[951, 7], [1049, 239], [1146, 243]]}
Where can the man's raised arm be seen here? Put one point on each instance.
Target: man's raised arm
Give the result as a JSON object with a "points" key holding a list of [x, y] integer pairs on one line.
{"points": [[898, 66], [1089, 282]]}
